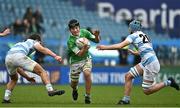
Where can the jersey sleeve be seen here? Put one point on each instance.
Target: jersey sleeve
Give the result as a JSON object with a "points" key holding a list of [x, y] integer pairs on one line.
{"points": [[130, 38], [31, 43], [73, 47]]}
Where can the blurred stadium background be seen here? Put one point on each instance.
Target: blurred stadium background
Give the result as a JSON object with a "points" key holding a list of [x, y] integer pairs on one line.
{"points": [[161, 20]]}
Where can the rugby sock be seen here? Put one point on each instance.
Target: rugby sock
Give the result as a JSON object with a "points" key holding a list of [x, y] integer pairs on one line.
{"points": [[126, 98], [87, 95], [49, 87], [7, 94], [167, 83], [76, 88]]}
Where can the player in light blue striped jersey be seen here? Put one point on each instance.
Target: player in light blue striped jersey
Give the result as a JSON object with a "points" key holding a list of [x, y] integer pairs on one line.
{"points": [[148, 67], [17, 61]]}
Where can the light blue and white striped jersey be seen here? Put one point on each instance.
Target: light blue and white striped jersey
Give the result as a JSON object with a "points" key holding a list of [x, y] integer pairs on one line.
{"points": [[26, 47], [142, 42]]}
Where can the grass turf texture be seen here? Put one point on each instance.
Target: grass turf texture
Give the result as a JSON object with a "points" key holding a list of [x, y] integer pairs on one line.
{"points": [[102, 96]]}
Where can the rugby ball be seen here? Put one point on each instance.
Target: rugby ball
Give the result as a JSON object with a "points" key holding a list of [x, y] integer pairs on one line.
{"points": [[80, 42]]}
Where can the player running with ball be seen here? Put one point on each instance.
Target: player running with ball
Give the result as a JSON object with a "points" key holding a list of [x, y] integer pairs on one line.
{"points": [[79, 58]]}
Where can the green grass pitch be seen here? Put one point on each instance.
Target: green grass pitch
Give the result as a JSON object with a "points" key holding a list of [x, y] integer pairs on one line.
{"points": [[102, 96]]}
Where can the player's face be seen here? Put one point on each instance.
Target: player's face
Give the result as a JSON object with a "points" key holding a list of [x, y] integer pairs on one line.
{"points": [[75, 31]]}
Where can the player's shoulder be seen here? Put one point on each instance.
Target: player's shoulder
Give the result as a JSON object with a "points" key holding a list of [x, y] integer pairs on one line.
{"points": [[136, 34], [31, 41], [71, 39], [84, 31]]}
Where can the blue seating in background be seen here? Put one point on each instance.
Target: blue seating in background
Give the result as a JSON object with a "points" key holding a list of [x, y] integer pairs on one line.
{"points": [[57, 13]]}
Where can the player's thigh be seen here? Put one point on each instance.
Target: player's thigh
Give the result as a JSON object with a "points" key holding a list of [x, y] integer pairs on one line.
{"points": [[150, 73], [75, 70], [10, 65], [151, 70], [87, 67], [26, 63]]}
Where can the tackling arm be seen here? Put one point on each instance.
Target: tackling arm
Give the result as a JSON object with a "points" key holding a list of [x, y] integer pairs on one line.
{"points": [[114, 46], [47, 51]]}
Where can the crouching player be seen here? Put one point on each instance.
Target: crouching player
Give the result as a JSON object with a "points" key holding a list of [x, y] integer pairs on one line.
{"points": [[17, 61]]}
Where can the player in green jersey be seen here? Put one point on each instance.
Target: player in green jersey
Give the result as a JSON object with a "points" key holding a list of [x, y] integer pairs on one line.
{"points": [[79, 58]]}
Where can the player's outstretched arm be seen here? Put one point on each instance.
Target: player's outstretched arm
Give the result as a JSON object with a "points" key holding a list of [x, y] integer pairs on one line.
{"points": [[114, 46], [47, 51], [23, 74], [5, 32]]}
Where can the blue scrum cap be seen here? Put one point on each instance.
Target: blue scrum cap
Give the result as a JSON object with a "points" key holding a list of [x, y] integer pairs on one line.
{"points": [[135, 25]]}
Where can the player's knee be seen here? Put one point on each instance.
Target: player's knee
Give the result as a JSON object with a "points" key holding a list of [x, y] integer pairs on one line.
{"points": [[14, 77], [39, 70], [147, 88], [74, 83], [87, 74], [147, 92]]}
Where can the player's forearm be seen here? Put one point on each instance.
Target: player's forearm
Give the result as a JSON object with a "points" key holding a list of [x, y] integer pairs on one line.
{"points": [[82, 51], [113, 47], [48, 52]]}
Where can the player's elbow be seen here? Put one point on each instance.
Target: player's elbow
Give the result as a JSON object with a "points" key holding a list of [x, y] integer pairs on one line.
{"points": [[79, 54]]}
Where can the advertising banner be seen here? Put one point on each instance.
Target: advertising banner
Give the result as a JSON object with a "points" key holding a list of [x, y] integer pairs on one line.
{"points": [[159, 14], [60, 75], [100, 75]]}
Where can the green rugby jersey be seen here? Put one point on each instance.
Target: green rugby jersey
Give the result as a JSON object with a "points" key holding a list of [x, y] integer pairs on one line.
{"points": [[73, 49]]}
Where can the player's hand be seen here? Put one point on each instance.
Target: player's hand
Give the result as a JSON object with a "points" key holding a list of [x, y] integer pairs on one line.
{"points": [[58, 58], [133, 52], [31, 79], [85, 41], [96, 32], [6, 31], [130, 51], [86, 46], [100, 47]]}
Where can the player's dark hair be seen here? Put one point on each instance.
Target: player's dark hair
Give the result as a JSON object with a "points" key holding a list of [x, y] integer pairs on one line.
{"points": [[73, 23], [35, 37]]}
